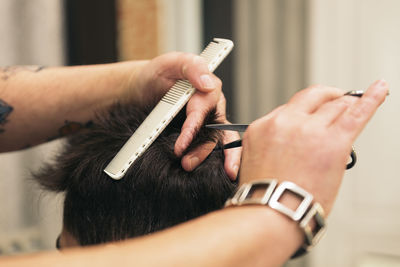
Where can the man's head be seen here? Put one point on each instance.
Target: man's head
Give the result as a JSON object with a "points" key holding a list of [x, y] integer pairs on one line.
{"points": [[154, 194]]}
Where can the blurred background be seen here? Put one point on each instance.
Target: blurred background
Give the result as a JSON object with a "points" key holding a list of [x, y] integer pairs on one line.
{"points": [[281, 46]]}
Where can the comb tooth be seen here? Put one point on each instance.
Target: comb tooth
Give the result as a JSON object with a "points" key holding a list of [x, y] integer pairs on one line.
{"points": [[213, 45], [212, 49], [208, 57], [168, 101], [183, 84], [176, 92], [180, 88], [209, 53], [171, 97]]}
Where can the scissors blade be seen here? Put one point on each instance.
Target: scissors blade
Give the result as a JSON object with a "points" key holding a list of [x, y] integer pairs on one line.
{"points": [[229, 127], [237, 143], [358, 93]]}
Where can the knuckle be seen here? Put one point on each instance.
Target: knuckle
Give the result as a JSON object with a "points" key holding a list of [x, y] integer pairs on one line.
{"points": [[193, 64], [347, 123], [315, 86], [173, 55], [218, 82], [375, 99], [313, 90], [252, 129], [190, 131], [358, 111], [282, 122], [222, 99], [309, 90], [177, 54], [301, 93], [349, 100], [197, 59]]}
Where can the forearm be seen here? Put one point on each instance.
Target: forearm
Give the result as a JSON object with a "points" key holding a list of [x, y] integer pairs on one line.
{"points": [[244, 236], [43, 101]]}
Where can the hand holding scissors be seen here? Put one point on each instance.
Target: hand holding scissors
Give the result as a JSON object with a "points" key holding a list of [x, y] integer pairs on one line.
{"points": [[243, 127]]}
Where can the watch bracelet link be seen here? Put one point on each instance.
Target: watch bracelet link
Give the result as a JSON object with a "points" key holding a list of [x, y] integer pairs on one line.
{"points": [[304, 213]]}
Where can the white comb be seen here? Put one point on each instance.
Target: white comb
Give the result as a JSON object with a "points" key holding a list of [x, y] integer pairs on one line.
{"points": [[163, 113]]}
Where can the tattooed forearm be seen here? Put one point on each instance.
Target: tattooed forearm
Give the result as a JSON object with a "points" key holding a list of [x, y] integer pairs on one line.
{"points": [[72, 127], [7, 72], [5, 110]]}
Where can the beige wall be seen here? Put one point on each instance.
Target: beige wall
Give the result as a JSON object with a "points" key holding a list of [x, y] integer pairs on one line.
{"points": [[352, 43], [138, 31], [147, 28], [270, 58]]}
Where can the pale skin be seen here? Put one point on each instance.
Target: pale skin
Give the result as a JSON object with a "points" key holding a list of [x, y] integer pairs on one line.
{"points": [[275, 146]]}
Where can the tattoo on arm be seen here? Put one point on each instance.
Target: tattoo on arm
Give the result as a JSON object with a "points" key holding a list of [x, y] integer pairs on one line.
{"points": [[71, 127], [7, 72], [5, 110]]}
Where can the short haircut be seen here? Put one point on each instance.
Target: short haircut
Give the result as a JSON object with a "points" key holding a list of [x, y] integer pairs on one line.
{"points": [[155, 193]]}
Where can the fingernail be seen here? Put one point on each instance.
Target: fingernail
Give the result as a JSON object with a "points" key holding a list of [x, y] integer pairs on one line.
{"points": [[194, 162], [382, 84], [207, 82]]}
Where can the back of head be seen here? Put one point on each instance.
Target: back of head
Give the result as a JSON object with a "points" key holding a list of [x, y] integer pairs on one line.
{"points": [[155, 193]]}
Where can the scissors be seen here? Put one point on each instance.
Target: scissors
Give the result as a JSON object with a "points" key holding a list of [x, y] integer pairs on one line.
{"points": [[243, 127]]}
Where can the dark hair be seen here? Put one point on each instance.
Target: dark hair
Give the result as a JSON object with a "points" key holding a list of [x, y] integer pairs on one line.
{"points": [[156, 191]]}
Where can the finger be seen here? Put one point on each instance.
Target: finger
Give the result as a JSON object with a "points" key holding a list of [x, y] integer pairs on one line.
{"points": [[330, 111], [196, 156], [310, 99], [193, 68], [197, 72], [178, 65], [189, 129], [196, 111], [357, 115], [221, 108], [232, 156]]}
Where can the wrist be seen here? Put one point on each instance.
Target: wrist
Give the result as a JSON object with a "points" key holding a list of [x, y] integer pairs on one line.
{"points": [[289, 200], [269, 233], [131, 88], [312, 181]]}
